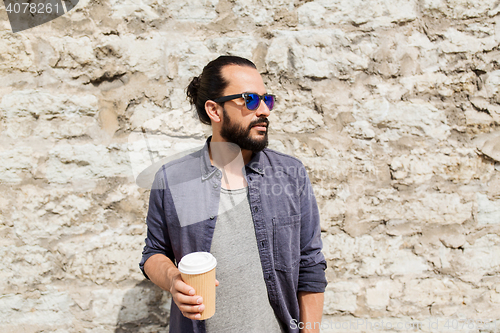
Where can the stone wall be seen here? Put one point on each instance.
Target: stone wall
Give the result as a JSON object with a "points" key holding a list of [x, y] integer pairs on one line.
{"points": [[392, 105]]}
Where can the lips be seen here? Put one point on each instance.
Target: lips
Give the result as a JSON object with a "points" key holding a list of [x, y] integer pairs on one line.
{"points": [[260, 127]]}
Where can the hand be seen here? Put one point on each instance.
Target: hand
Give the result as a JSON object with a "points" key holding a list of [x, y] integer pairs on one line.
{"points": [[184, 297], [162, 271]]}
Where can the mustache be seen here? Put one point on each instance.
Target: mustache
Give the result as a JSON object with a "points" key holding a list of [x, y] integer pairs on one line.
{"points": [[259, 121]]}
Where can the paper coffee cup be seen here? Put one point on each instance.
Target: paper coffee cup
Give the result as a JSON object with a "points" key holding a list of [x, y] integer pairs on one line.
{"points": [[198, 270]]}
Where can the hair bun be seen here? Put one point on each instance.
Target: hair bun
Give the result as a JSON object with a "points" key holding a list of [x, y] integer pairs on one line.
{"points": [[192, 90]]}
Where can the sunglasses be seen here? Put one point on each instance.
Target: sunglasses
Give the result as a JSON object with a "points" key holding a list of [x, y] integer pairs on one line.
{"points": [[252, 100]]}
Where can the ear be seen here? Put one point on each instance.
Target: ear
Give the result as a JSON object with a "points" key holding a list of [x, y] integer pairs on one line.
{"points": [[214, 111]]}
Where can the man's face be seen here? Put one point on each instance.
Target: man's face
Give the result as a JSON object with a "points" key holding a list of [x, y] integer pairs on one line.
{"points": [[246, 128]]}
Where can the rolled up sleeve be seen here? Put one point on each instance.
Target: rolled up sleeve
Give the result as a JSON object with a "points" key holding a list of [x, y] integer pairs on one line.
{"points": [[312, 261]]}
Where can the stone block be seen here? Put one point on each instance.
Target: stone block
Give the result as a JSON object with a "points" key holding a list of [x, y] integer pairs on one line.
{"points": [[390, 257], [103, 257], [492, 83], [489, 144], [459, 9], [428, 82], [420, 167], [145, 10], [106, 304], [332, 212], [346, 248], [147, 55], [142, 113], [377, 297], [312, 14], [26, 267], [17, 164], [437, 208], [368, 257], [494, 187], [379, 13], [488, 211], [475, 118], [485, 106], [479, 259], [69, 163], [452, 236], [42, 216], [402, 228], [199, 11], [16, 52], [50, 309], [421, 119], [296, 119], [456, 41], [260, 13], [341, 296], [177, 123], [434, 292], [317, 54], [48, 115], [46, 105], [421, 206], [362, 130]]}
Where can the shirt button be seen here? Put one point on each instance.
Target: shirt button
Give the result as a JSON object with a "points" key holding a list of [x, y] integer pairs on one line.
{"points": [[215, 185], [219, 173], [260, 169], [212, 217], [256, 209]]}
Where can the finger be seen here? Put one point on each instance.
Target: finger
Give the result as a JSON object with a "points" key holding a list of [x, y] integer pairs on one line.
{"points": [[189, 300], [216, 282], [184, 288], [189, 309], [196, 316]]}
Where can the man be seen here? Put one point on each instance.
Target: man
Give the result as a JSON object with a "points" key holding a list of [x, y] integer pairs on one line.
{"points": [[252, 207]]}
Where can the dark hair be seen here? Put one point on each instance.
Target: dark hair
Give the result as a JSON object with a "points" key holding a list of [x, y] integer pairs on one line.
{"points": [[210, 84]]}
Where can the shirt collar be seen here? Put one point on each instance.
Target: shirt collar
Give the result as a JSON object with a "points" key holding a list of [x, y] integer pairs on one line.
{"points": [[207, 169], [255, 163]]}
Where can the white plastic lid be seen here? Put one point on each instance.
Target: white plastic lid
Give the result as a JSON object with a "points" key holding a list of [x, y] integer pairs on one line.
{"points": [[197, 263]]}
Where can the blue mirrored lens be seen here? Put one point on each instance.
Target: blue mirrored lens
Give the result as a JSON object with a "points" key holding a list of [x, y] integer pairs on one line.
{"points": [[252, 101], [269, 100]]}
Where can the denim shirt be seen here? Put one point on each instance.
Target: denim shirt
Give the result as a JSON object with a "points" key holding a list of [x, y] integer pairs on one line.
{"points": [[182, 214]]}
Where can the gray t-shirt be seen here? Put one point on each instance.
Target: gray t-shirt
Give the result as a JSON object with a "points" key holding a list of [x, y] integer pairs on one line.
{"points": [[242, 303]]}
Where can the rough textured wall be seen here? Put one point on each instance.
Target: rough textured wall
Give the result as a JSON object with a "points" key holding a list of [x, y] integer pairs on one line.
{"points": [[393, 106]]}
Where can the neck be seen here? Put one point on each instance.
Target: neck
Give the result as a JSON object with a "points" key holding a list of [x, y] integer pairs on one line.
{"points": [[231, 160], [223, 153]]}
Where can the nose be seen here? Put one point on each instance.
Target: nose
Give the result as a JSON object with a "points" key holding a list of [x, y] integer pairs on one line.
{"points": [[262, 110]]}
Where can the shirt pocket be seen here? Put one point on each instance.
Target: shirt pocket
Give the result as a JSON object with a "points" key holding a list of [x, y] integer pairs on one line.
{"points": [[286, 242]]}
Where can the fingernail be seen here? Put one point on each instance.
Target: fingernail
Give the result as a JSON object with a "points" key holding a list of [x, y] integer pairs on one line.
{"points": [[191, 292], [200, 300], [198, 316], [201, 308]]}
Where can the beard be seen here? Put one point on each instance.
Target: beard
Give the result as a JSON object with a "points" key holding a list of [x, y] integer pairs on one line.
{"points": [[241, 136]]}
